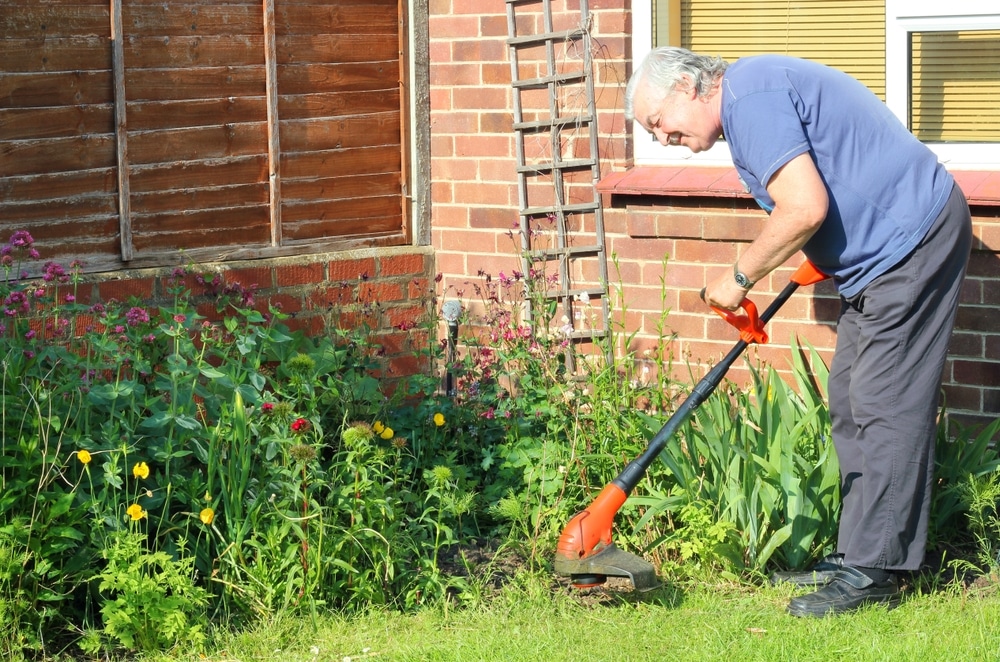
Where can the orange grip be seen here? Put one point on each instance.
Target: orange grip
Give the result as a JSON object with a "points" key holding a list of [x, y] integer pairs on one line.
{"points": [[750, 327], [808, 274]]}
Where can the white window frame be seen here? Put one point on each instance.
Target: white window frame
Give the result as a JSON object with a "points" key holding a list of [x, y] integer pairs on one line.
{"points": [[646, 150], [902, 17]]}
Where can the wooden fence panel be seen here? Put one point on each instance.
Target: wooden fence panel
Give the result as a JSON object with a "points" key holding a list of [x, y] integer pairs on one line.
{"points": [[207, 173], [57, 146], [339, 72]]}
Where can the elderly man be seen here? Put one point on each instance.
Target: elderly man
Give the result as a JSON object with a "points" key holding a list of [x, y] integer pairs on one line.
{"points": [[846, 183]]}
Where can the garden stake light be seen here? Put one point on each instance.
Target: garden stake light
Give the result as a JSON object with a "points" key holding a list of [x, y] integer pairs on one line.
{"points": [[585, 552]]}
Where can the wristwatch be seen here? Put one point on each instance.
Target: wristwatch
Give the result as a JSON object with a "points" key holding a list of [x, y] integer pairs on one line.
{"points": [[741, 278]]}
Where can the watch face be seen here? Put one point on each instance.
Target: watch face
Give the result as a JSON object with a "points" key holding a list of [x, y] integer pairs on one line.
{"points": [[742, 280]]}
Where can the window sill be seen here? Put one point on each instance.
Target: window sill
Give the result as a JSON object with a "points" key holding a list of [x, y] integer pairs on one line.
{"points": [[981, 187]]}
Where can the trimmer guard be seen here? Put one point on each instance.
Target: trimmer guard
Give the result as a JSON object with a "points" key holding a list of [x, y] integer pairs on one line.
{"points": [[608, 562]]}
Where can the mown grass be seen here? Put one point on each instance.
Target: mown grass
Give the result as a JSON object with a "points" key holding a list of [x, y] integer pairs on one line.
{"points": [[531, 620]]}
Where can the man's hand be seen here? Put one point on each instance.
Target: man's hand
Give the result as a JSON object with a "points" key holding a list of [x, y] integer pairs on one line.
{"points": [[723, 292], [800, 206]]}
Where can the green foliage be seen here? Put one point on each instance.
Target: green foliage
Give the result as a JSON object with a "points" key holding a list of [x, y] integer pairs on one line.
{"points": [[152, 601], [271, 472], [982, 497], [763, 461], [961, 454]]}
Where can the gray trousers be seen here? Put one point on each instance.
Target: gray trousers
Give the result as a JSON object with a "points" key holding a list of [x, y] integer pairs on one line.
{"points": [[885, 379]]}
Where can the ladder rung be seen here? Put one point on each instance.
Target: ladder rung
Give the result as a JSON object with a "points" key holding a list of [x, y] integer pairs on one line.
{"points": [[549, 123], [592, 293], [571, 251], [581, 207], [545, 81], [541, 168], [588, 335], [531, 39]]}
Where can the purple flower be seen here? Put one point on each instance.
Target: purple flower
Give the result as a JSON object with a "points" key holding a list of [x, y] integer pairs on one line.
{"points": [[70, 298], [53, 271], [21, 238], [136, 316], [30, 334]]}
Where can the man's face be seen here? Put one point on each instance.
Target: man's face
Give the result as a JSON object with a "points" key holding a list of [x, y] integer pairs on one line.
{"points": [[680, 118]]}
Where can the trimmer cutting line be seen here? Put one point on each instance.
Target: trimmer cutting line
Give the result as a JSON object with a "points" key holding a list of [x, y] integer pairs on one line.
{"points": [[586, 553]]}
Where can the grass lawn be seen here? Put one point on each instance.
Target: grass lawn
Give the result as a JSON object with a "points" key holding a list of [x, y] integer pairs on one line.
{"points": [[532, 621]]}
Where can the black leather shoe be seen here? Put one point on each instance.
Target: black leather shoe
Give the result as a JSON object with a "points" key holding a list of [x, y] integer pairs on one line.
{"points": [[818, 575], [849, 589]]}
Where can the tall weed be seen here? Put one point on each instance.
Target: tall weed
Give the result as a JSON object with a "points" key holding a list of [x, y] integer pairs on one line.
{"points": [[763, 462]]}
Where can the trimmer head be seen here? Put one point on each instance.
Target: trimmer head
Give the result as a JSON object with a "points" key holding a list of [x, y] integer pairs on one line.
{"points": [[587, 555], [610, 561]]}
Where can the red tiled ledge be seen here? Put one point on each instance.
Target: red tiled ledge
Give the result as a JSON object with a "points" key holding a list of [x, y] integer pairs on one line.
{"points": [[981, 187]]}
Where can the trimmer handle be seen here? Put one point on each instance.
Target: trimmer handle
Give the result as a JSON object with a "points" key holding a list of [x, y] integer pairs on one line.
{"points": [[808, 274], [750, 325]]}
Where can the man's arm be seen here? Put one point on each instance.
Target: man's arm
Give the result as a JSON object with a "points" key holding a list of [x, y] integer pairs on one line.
{"points": [[800, 206]]}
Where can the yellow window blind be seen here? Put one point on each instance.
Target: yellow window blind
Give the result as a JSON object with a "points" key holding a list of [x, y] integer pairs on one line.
{"points": [[846, 34], [956, 86]]}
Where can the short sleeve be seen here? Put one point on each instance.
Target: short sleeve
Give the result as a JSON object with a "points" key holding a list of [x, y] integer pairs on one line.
{"points": [[764, 131]]}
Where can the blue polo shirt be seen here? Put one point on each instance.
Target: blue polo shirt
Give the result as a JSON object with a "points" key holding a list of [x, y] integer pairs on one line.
{"points": [[885, 187]]}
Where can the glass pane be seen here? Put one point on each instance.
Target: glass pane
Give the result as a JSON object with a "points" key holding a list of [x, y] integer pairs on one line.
{"points": [[846, 34], [955, 94]]}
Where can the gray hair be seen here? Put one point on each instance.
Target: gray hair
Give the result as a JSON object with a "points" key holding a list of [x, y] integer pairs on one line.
{"points": [[669, 67]]}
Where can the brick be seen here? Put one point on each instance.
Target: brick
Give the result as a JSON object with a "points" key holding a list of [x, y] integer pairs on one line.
{"points": [[454, 74], [499, 218], [399, 265], [381, 292], [496, 122], [440, 99], [986, 320], [452, 27], [488, 146], [126, 288], [981, 373], [442, 192], [495, 74], [288, 275], [351, 270], [406, 317], [479, 50], [439, 7], [456, 122], [488, 98], [493, 26], [250, 276], [484, 193]]}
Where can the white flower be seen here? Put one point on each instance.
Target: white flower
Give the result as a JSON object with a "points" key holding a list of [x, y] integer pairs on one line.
{"points": [[583, 297], [314, 650]]}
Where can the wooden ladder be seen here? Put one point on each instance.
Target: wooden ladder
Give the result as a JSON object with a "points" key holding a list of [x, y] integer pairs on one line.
{"points": [[556, 138]]}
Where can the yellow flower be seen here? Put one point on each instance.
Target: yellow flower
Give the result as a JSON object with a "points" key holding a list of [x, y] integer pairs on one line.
{"points": [[208, 496], [439, 419], [207, 515], [83, 456], [387, 433], [136, 512], [141, 470], [378, 427]]}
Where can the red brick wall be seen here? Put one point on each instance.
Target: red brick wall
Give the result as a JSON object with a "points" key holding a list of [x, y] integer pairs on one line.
{"points": [[475, 205], [390, 290]]}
